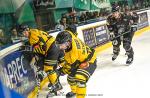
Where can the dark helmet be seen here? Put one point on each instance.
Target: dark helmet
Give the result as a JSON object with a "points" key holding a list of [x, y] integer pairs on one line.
{"points": [[63, 37], [23, 28], [115, 9], [73, 29]]}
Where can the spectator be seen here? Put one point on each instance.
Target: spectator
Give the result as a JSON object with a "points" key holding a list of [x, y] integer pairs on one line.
{"points": [[3, 39], [73, 20], [96, 14], [64, 22], [59, 26], [82, 17], [87, 15], [14, 35]]}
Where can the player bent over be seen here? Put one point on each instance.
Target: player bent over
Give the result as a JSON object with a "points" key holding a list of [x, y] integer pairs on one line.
{"points": [[80, 62], [44, 46]]}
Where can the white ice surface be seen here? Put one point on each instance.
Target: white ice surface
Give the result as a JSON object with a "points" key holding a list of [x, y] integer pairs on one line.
{"points": [[113, 79]]}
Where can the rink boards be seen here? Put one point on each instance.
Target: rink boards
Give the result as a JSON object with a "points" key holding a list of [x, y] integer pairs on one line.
{"points": [[16, 72]]}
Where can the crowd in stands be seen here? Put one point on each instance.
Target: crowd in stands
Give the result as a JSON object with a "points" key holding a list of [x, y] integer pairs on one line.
{"points": [[79, 17], [11, 38]]}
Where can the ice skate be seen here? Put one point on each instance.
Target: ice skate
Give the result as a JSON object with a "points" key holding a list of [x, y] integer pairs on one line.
{"points": [[114, 56], [70, 95]]}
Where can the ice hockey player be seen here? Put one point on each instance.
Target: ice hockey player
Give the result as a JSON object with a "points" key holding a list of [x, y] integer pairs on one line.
{"points": [[44, 46], [120, 27], [80, 62]]}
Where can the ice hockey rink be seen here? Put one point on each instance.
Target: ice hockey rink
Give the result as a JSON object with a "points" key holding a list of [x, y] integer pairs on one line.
{"points": [[114, 79]]}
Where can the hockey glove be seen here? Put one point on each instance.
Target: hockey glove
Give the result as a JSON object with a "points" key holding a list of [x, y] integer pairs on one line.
{"points": [[111, 36], [134, 28]]}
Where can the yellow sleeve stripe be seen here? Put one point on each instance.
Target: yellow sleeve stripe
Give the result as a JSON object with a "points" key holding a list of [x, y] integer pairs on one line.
{"points": [[37, 50], [51, 60], [71, 79], [62, 58], [50, 63], [40, 50], [83, 72]]}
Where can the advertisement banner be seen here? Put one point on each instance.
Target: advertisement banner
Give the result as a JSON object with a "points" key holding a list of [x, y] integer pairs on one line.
{"points": [[101, 34], [44, 4], [143, 20], [95, 36], [7, 93], [89, 37], [16, 73], [148, 13]]}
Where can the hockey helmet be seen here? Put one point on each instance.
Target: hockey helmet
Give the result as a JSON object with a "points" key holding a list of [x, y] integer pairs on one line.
{"points": [[63, 37], [23, 28], [115, 9]]}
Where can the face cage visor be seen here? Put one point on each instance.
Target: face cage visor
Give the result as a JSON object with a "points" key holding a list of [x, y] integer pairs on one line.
{"points": [[63, 46]]}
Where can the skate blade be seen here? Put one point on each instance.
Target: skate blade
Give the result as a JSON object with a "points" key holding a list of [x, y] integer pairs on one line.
{"points": [[128, 64], [51, 95], [72, 97]]}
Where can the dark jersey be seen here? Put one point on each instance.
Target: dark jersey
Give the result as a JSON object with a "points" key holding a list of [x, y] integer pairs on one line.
{"points": [[119, 25]]}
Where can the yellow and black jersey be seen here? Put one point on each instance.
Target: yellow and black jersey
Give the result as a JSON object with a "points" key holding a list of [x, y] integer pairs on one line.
{"points": [[40, 41], [79, 52]]}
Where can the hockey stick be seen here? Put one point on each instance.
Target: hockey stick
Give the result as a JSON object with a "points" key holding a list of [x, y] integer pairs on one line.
{"points": [[38, 81], [36, 76], [119, 36]]}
